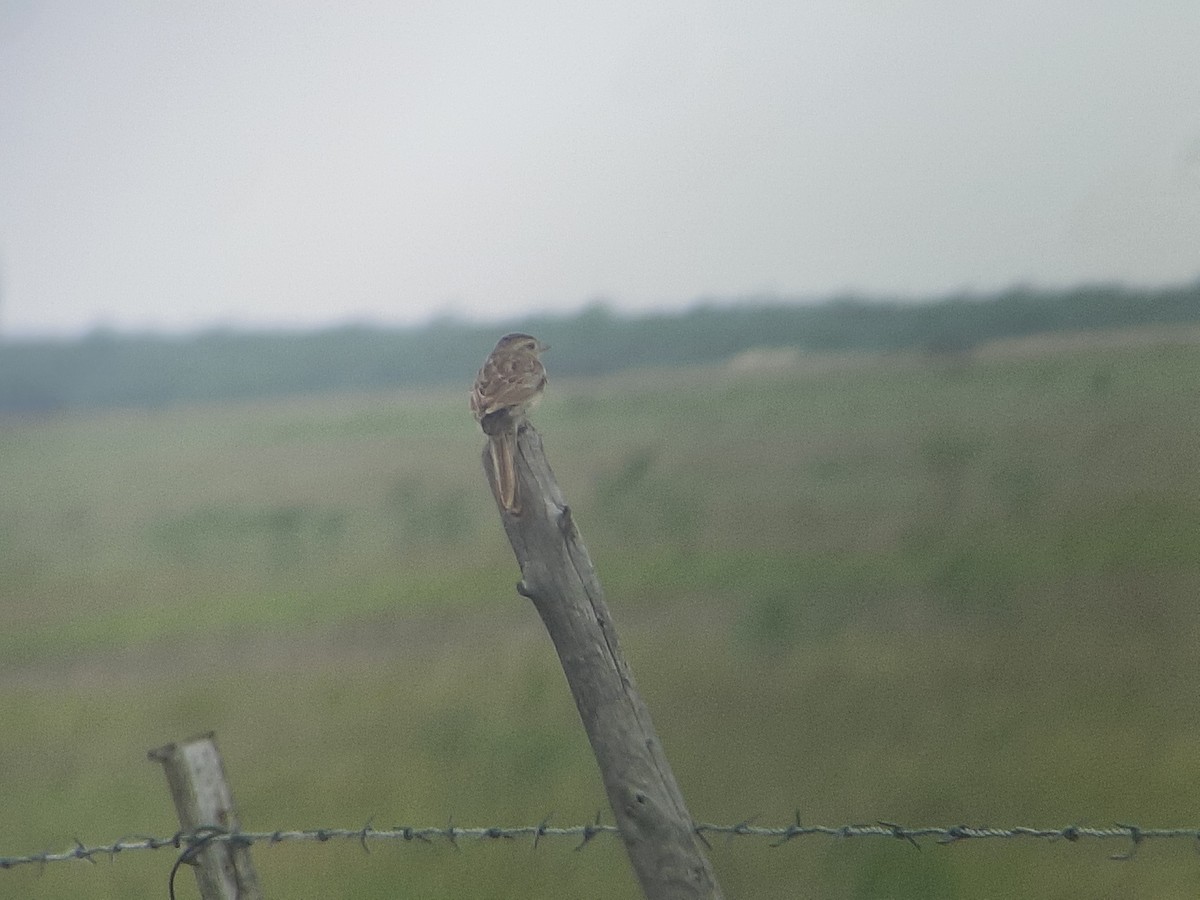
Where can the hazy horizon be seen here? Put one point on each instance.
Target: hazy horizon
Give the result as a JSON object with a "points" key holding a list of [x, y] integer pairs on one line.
{"points": [[178, 169]]}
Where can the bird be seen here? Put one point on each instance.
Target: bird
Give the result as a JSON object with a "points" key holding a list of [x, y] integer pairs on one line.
{"points": [[507, 387]]}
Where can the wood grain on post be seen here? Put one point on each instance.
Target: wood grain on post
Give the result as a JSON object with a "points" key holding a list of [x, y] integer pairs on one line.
{"points": [[196, 777], [558, 576]]}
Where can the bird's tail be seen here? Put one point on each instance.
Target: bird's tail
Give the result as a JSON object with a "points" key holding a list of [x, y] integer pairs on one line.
{"points": [[504, 465]]}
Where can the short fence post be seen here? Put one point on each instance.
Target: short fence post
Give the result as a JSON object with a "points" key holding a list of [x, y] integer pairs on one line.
{"points": [[558, 576], [196, 777]]}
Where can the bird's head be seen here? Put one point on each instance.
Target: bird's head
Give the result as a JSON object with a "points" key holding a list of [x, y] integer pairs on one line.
{"points": [[520, 341]]}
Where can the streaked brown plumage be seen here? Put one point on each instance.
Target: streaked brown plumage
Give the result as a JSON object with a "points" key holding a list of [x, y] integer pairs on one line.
{"points": [[509, 384]]}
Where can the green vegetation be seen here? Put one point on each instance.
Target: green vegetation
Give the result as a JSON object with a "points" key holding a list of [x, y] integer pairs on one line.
{"points": [[107, 369], [930, 589]]}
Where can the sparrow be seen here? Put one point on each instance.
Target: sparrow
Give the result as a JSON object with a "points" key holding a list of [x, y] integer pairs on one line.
{"points": [[508, 386]]}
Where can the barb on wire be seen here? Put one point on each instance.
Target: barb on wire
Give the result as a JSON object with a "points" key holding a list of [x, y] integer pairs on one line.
{"points": [[191, 842]]}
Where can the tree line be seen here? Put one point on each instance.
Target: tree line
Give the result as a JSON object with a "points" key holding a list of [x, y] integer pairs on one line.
{"points": [[111, 369]]}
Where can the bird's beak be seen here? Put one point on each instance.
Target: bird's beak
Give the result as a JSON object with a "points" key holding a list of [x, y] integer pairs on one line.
{"points": [[543, 346]]}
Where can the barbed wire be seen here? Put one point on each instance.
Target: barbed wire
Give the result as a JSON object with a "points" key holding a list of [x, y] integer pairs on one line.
{"points": [[193, 841]]}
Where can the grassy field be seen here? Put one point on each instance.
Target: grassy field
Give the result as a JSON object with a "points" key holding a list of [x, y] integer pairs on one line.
{"points": [[912, 589]]}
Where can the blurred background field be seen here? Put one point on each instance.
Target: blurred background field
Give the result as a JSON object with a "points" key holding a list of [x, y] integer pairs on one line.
{"points": [[953, 587]]}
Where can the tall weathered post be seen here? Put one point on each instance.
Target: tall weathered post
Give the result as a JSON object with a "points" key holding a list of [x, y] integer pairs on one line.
{"points": [[558, 576]]}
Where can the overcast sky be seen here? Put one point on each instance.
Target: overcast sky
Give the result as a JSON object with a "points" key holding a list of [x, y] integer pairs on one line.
{"points": [[176, 165]]}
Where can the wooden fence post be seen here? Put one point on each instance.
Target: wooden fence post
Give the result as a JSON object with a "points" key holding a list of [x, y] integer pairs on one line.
{"points": [[558, 576], [196, 777]]}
